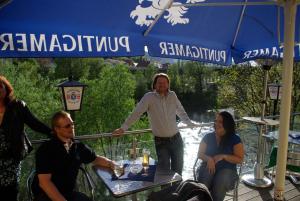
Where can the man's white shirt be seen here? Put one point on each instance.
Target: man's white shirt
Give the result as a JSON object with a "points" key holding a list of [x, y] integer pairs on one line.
{"points": [[162, 111]]}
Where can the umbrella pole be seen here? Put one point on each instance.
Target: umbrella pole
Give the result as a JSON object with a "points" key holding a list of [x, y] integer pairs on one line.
{"points": [[290, 7]]}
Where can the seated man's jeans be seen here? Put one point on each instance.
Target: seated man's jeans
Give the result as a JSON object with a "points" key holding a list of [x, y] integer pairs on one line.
{"points": [[219, 183], [170, 153]]}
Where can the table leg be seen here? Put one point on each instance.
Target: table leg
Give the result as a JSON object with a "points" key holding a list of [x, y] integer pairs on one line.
{"points": [[257, 178]]}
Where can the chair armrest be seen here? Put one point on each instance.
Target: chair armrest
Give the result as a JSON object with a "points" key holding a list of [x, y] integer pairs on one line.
{"points": [[88, 177], [195, 168]]}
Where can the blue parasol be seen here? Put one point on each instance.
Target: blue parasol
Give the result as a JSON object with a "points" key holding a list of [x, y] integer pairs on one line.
{"points": [[214, 31]]}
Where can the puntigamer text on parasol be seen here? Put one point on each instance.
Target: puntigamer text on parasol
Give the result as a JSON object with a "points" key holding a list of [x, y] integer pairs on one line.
{"points": [[23, 42], [192, 51], [275, 52]]}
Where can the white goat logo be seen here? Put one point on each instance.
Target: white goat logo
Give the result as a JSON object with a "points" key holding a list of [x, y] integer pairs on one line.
{"points": [[174, 15]]}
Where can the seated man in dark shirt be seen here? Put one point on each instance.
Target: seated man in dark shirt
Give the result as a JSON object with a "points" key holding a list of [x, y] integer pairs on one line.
{"points": [[58, 162]]}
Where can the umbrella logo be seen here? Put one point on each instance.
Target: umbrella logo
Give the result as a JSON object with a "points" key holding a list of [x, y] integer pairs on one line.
{"points": [[174, 14]]}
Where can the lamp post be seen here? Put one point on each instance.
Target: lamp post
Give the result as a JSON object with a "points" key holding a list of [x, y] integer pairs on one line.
{"points": [[72, 92], [258, 179], [275, 94]]}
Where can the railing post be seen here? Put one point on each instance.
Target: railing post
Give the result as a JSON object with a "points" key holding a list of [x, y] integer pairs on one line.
{"points": [[133, 148]]}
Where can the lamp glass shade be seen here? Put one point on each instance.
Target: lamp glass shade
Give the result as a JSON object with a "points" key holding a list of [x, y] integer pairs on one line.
{"points": [[73, 97], [274, 89]]}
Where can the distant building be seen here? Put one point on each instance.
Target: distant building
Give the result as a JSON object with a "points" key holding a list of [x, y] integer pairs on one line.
{"points": [[113, 61], [129, 62]]}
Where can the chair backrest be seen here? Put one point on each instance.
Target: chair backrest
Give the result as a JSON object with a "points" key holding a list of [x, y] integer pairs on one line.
{"points": [[234, 194], [89, 183], [30, 184], [196, 164], [293, 159], [292, 163]]}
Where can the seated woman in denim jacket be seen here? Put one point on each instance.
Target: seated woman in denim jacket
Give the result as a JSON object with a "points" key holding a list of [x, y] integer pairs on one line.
{"points": [[220, 151]]}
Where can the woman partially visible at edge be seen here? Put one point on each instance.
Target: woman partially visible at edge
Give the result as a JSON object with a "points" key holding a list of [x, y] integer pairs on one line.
{"points": [[220, 151], [13, 115]]}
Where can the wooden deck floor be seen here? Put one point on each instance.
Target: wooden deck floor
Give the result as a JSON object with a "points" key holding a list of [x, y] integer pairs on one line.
{"points": [[246, 193]]}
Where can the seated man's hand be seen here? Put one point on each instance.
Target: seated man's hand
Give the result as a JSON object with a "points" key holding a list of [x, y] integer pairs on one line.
{"points": [[118, 132]]}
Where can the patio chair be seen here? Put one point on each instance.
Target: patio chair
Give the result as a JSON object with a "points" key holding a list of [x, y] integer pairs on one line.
{"points": [[234, 192], [88, 183], [293, 164]]}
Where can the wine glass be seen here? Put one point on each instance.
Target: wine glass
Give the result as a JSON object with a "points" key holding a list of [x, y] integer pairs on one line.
{"points": [[119, 166]]}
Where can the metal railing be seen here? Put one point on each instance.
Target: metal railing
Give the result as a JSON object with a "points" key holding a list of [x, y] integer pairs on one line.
{"points": [[134, 132], [137, 132]]}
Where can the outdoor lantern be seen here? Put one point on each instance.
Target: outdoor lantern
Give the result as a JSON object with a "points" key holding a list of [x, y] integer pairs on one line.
{"points": [[275, 94], [275, 91], [72, 92]]}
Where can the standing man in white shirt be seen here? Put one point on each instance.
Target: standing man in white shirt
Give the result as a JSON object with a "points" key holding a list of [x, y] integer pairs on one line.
{"points": [[162, 106]]}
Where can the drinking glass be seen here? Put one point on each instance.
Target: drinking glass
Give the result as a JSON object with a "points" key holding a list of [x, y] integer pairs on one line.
{"points": [[146, 156], [119, 166]]}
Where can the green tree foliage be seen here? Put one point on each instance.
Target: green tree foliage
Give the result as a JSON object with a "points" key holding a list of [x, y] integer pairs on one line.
{"points": [[76, 67], [46, 68], [41, 96], [174, 75], [144, 81], [107, 100], [296, 88], [141, 85], [241, 87], [198, 80], [83, 68], [95, 67], [189, 81]]}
